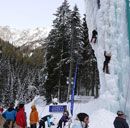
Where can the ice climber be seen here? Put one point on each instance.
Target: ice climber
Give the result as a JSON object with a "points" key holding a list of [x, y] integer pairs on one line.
{"points": [[94, 36], [107, 60]]}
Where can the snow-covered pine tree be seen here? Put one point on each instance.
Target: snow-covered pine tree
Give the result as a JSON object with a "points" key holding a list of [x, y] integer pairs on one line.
{"points": [[75, 44], [88, 68], [58, 53]]}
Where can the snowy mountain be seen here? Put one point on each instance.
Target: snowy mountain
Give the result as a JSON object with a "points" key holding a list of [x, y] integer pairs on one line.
{"points": [[34, 37]]}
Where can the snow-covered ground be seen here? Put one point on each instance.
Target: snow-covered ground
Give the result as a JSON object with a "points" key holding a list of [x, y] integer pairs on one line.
{"points": [[99, 116]]}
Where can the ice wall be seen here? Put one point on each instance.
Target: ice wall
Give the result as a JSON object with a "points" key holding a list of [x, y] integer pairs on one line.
{"points": [[111, 23]]}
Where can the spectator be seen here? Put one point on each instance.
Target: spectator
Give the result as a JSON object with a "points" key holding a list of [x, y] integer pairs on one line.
{"points": [[120, 121], [82, 121], [9, 116], [21, 117], [34, 117], [44, 119]]}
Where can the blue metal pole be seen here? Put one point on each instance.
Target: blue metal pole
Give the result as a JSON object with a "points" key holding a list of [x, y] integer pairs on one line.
{"points": [[73, 90]]}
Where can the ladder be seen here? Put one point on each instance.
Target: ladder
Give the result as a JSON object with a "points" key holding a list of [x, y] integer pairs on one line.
{"points": [[128, 20]]}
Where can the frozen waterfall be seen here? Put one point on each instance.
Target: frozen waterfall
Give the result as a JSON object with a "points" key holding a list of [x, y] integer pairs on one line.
{"points": [[110, 20]]}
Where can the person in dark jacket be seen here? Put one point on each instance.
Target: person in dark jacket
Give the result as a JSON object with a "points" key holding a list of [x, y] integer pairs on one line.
{"points": [[120, 121], [44, 119], [107, 60], [63, 119], [94, 36]]}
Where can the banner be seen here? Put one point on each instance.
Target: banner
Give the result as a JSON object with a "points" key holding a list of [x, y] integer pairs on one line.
{"points": [[57, 108], [73, 90]]}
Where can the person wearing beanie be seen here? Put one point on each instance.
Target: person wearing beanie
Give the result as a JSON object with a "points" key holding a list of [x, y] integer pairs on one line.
{"points": [[45, 119], [66, 111], [63, 120], [34, 117], [21, 117], [9, 115], [120, 121], [82, 121]]}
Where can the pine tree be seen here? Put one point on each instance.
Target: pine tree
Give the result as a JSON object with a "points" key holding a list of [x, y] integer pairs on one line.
{"points": [[75, 44], [88, 67], [16, 74], [57, 55]]}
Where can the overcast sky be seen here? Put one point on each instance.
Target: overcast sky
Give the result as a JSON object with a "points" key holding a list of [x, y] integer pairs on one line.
{"points": [[24, 14]]}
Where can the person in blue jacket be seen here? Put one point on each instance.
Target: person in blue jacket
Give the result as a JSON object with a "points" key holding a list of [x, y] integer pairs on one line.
{"points": [[82, 121], [9, 115], [120, 121]]}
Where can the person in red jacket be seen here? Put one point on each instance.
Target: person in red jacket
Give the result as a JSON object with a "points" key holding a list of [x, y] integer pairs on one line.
{"points": [[21, 117], [1, 110]]}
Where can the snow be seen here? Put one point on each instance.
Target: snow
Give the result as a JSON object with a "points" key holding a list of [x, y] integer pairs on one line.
{"points": [[99, 117], [24, 37], [102, 119]]}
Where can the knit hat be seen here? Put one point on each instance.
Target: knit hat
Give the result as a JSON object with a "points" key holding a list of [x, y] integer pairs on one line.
{"points": [[81, 116], [120, 113], [21, 106], [33, 107]]}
